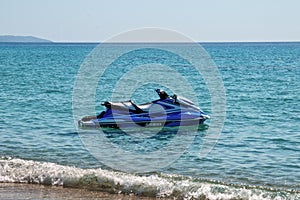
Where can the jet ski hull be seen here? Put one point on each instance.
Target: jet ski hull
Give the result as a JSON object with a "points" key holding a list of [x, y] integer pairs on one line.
{"points": [[146, 124]]}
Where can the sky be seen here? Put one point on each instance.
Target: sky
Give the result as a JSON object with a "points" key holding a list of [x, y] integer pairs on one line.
{"points": [[201, 20]]}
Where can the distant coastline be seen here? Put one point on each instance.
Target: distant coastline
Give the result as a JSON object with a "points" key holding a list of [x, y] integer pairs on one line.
{"points": [[22, 39], [33, 39]]}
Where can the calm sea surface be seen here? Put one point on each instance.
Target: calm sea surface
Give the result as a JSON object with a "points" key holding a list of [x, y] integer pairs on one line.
{"points": [[257, 155]]}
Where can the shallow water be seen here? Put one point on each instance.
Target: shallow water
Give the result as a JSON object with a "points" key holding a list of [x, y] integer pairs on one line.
{"points": [[256, 155]]}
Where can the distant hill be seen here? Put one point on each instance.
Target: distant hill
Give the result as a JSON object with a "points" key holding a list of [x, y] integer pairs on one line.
{"points": [[25, 39]]}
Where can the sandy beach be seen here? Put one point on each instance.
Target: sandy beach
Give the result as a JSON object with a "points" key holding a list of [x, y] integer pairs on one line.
{"points": [[34, 191]]}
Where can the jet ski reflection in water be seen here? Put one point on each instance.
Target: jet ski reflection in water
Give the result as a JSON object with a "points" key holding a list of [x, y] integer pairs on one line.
{"points": [[168, 111]]}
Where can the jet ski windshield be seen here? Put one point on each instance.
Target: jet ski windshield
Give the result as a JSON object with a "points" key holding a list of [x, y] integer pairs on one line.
{"points": [[186, 103]]}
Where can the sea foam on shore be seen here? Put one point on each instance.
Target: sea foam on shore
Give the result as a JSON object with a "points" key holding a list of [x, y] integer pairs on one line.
{"points": [[156, 185]]}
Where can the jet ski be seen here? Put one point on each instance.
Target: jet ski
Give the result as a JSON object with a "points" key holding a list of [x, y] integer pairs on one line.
{"points": [[167, 111]]}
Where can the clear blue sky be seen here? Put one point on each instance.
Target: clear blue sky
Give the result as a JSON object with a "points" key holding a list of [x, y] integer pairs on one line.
{"points": [[202, 20]]}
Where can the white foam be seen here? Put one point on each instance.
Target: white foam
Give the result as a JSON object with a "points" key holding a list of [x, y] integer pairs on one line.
{"points": [[25, 171]]}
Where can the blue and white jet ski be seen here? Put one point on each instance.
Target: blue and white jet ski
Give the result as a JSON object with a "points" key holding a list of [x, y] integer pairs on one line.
{"points": [[167, 111]]}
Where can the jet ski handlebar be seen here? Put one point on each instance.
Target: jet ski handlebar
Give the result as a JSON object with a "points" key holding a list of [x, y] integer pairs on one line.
{"points": [[162, 94]]}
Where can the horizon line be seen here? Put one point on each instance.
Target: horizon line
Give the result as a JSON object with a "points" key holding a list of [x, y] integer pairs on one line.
{"points": [[143, 42], [207, 41]]}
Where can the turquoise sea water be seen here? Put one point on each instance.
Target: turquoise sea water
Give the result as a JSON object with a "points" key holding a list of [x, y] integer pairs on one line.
{"points": [[257, 155]]}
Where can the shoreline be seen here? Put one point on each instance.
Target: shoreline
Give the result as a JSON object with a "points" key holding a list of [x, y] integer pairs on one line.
{"points": [[36, 191]]}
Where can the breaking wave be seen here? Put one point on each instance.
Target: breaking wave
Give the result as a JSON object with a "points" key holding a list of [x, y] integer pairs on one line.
{"points": [[14, 170]]}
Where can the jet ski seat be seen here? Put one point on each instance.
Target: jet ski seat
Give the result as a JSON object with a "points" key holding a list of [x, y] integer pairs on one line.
{"points": [[124, 106]]}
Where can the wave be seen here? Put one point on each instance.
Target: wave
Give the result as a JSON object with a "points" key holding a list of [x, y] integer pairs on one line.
{"points": [[14, 170]]}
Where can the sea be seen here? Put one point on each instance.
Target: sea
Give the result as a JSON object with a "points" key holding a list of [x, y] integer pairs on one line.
{"points": [[255, 152]]}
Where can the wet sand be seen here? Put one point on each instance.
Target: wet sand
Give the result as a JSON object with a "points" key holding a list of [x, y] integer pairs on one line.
{"points": [[33, 191]]}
